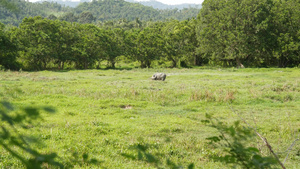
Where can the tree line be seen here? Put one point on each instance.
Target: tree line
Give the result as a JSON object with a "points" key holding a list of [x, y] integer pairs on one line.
{"points": [[40, 43], [252, 33]]}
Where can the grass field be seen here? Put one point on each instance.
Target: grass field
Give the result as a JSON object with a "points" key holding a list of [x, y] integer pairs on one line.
{"points": [[105, 113]]}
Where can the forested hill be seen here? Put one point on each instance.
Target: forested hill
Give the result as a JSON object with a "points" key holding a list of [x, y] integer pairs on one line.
{"points": [[67, 3], [152, 3], [27, 9], [97, 10], [117, 9], [158, 5]]}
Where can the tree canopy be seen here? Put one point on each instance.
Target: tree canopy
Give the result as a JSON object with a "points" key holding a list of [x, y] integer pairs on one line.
{"points": [[252, 32]]}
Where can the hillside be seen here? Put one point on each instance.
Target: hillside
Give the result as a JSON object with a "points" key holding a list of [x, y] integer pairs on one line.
{"points": [[101, 10], [158, 5], [67, 3], [152, 3], [27, 9], [118, 9]]}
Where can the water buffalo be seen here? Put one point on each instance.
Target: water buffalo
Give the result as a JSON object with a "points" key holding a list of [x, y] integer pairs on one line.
{"points": [[159, 76]]}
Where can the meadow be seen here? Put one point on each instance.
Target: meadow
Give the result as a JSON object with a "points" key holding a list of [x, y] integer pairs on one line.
{"points": [[101, 116]]}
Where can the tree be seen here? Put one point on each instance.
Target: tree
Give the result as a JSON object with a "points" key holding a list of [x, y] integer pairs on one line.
{"points": [[64, 47], [114, 45], [8, 49], [286, 26], [172, 44], [146, 45], [69, 17], [21, 9], [9, 5], [235, 32], [38, 38], [86, 17], [90, 46], [180, 41], [52, 17]]}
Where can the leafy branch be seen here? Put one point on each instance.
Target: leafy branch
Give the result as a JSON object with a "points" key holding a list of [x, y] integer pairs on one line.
{"points": [[233, 140], [266, 141]]}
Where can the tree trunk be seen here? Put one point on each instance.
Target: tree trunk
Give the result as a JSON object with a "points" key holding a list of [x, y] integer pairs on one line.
{"points": [[98, 65], [112, 64], [174, 64], [143, 65], [239, 64], [58, 65], [197, 60], [282, 62], [85, 64], [44, 65], [148, 63]]}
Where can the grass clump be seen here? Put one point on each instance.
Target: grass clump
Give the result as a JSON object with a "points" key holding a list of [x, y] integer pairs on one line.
{"points": [[213, 96]]}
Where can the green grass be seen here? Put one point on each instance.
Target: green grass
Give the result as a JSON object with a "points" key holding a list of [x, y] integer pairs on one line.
{"points": [[103, 113]]}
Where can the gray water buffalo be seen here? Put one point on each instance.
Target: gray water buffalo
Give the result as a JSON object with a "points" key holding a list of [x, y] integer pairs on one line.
{"points": [[159, 76]]}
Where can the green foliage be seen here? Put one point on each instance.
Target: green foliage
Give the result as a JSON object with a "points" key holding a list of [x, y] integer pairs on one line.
{"points": [[286, 27], [37, 39], [8, 50], [69, 17], [234, 141], [43, 43], [29, 9], [146, 45], [86, 17], [248, 32], [105, 10], [8, 5], [160, 5], [15, 143], [180, 41], [89, 46], [88, 12], [2, 68], [114, 45]]}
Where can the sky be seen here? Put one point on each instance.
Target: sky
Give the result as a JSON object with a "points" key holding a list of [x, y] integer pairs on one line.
{"points": [[169, 2]]}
